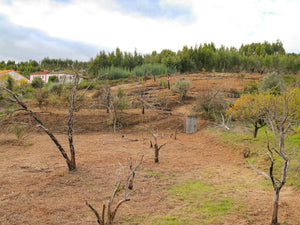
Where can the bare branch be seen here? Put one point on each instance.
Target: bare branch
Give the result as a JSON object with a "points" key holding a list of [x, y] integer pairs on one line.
{"points": [[259, 173], [95, 212]]}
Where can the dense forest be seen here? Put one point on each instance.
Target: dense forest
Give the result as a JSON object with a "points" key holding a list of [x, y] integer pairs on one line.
{"points": [[255, 57]]}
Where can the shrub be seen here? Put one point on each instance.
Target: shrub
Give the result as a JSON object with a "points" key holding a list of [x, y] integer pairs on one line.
{"points": [[56, 88], [10, 83], [290, 80], [251, 87], [85, 84], [19, 132], [41, 96], [272, 81], [163, 83], [211, 105], [37, 82], [181, 87], [53, 79]]}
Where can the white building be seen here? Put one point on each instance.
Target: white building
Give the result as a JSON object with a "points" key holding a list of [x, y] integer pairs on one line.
{"points": [[63, 77]]}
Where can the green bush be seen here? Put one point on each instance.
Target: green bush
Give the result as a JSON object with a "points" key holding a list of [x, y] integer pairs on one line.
{"points": [[84, 84], [163, 83], [53, 79], [10, 83], [41, 96], [272, 81], [251, 87], [181, 87], [56, 88], [290, 80], [37, 82]]}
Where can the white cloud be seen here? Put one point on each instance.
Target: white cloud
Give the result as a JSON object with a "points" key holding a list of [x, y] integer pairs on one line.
{"points": [[231, 23]]}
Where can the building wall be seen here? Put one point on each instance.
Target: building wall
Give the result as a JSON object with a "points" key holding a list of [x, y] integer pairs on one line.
{"points": [[15, 75], [62, 77]]}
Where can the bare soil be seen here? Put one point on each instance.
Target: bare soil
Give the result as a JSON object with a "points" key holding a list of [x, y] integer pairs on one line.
{"points": [[37, 188]]}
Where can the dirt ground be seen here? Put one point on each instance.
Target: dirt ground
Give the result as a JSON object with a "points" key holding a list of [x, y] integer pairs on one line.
{"points": [[37, 188]]}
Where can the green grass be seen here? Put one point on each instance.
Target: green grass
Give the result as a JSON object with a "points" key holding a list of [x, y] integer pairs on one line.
{"points": [[171, 220], [200, 203], [258, 148]]}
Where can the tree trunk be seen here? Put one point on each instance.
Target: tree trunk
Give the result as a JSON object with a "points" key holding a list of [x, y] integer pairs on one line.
{"points": [[255, 130], [72, 164], [275, 207], [169, 81], [156, 153]]}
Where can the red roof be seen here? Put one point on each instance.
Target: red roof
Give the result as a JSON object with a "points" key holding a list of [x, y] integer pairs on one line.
{"points": [[5, 71]]}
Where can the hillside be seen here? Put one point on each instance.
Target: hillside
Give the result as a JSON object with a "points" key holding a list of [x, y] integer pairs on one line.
{"points": [[200, 178]]}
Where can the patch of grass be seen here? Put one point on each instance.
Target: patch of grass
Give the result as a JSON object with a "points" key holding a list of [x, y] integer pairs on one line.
{"points": [[152, 173], [171, 220], [206, 202], [258, 149], [132, 219]]}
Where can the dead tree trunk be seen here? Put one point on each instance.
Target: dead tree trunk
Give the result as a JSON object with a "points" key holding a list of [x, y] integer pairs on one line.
{"points": [[108, 100], [156, 147], [156, 150], [111, 212], [169, 81], [70, 161]]}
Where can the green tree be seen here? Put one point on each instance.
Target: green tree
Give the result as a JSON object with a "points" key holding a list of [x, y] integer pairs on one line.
{"points": [[249, 108], [37, 82], [53, 79], [10, 83]]}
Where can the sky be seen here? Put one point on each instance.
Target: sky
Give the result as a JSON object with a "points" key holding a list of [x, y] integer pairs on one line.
{"points": [[78, 30]]}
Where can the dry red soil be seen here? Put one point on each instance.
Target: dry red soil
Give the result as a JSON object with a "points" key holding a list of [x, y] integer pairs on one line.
{"points": [[37, 188]]}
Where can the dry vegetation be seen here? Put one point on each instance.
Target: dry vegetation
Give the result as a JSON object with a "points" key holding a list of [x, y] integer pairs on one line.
{"points": [[202, 180]]}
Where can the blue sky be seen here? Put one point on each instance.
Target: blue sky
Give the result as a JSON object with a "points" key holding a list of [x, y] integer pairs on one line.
{"points": [[79, 29]]}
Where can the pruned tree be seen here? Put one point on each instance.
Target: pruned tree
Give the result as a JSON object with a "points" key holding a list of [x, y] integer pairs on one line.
{"points": [[118, 102], [125, 186], [11, 96], [156, 146], [282, 112]]}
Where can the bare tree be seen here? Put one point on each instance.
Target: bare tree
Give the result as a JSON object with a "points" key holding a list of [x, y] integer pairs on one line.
{"points": [[71, 162], [127, 186], [156, 146], [282, 113]]}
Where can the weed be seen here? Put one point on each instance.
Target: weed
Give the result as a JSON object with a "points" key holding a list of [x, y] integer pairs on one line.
{"points": [[205, 200]]}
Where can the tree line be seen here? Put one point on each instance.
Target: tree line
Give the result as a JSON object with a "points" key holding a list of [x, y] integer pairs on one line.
{"points": [[255, 57]]}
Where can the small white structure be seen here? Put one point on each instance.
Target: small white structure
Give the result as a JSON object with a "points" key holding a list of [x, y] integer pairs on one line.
{"points": [[63, 77], [190, 124], [15, 75]]}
